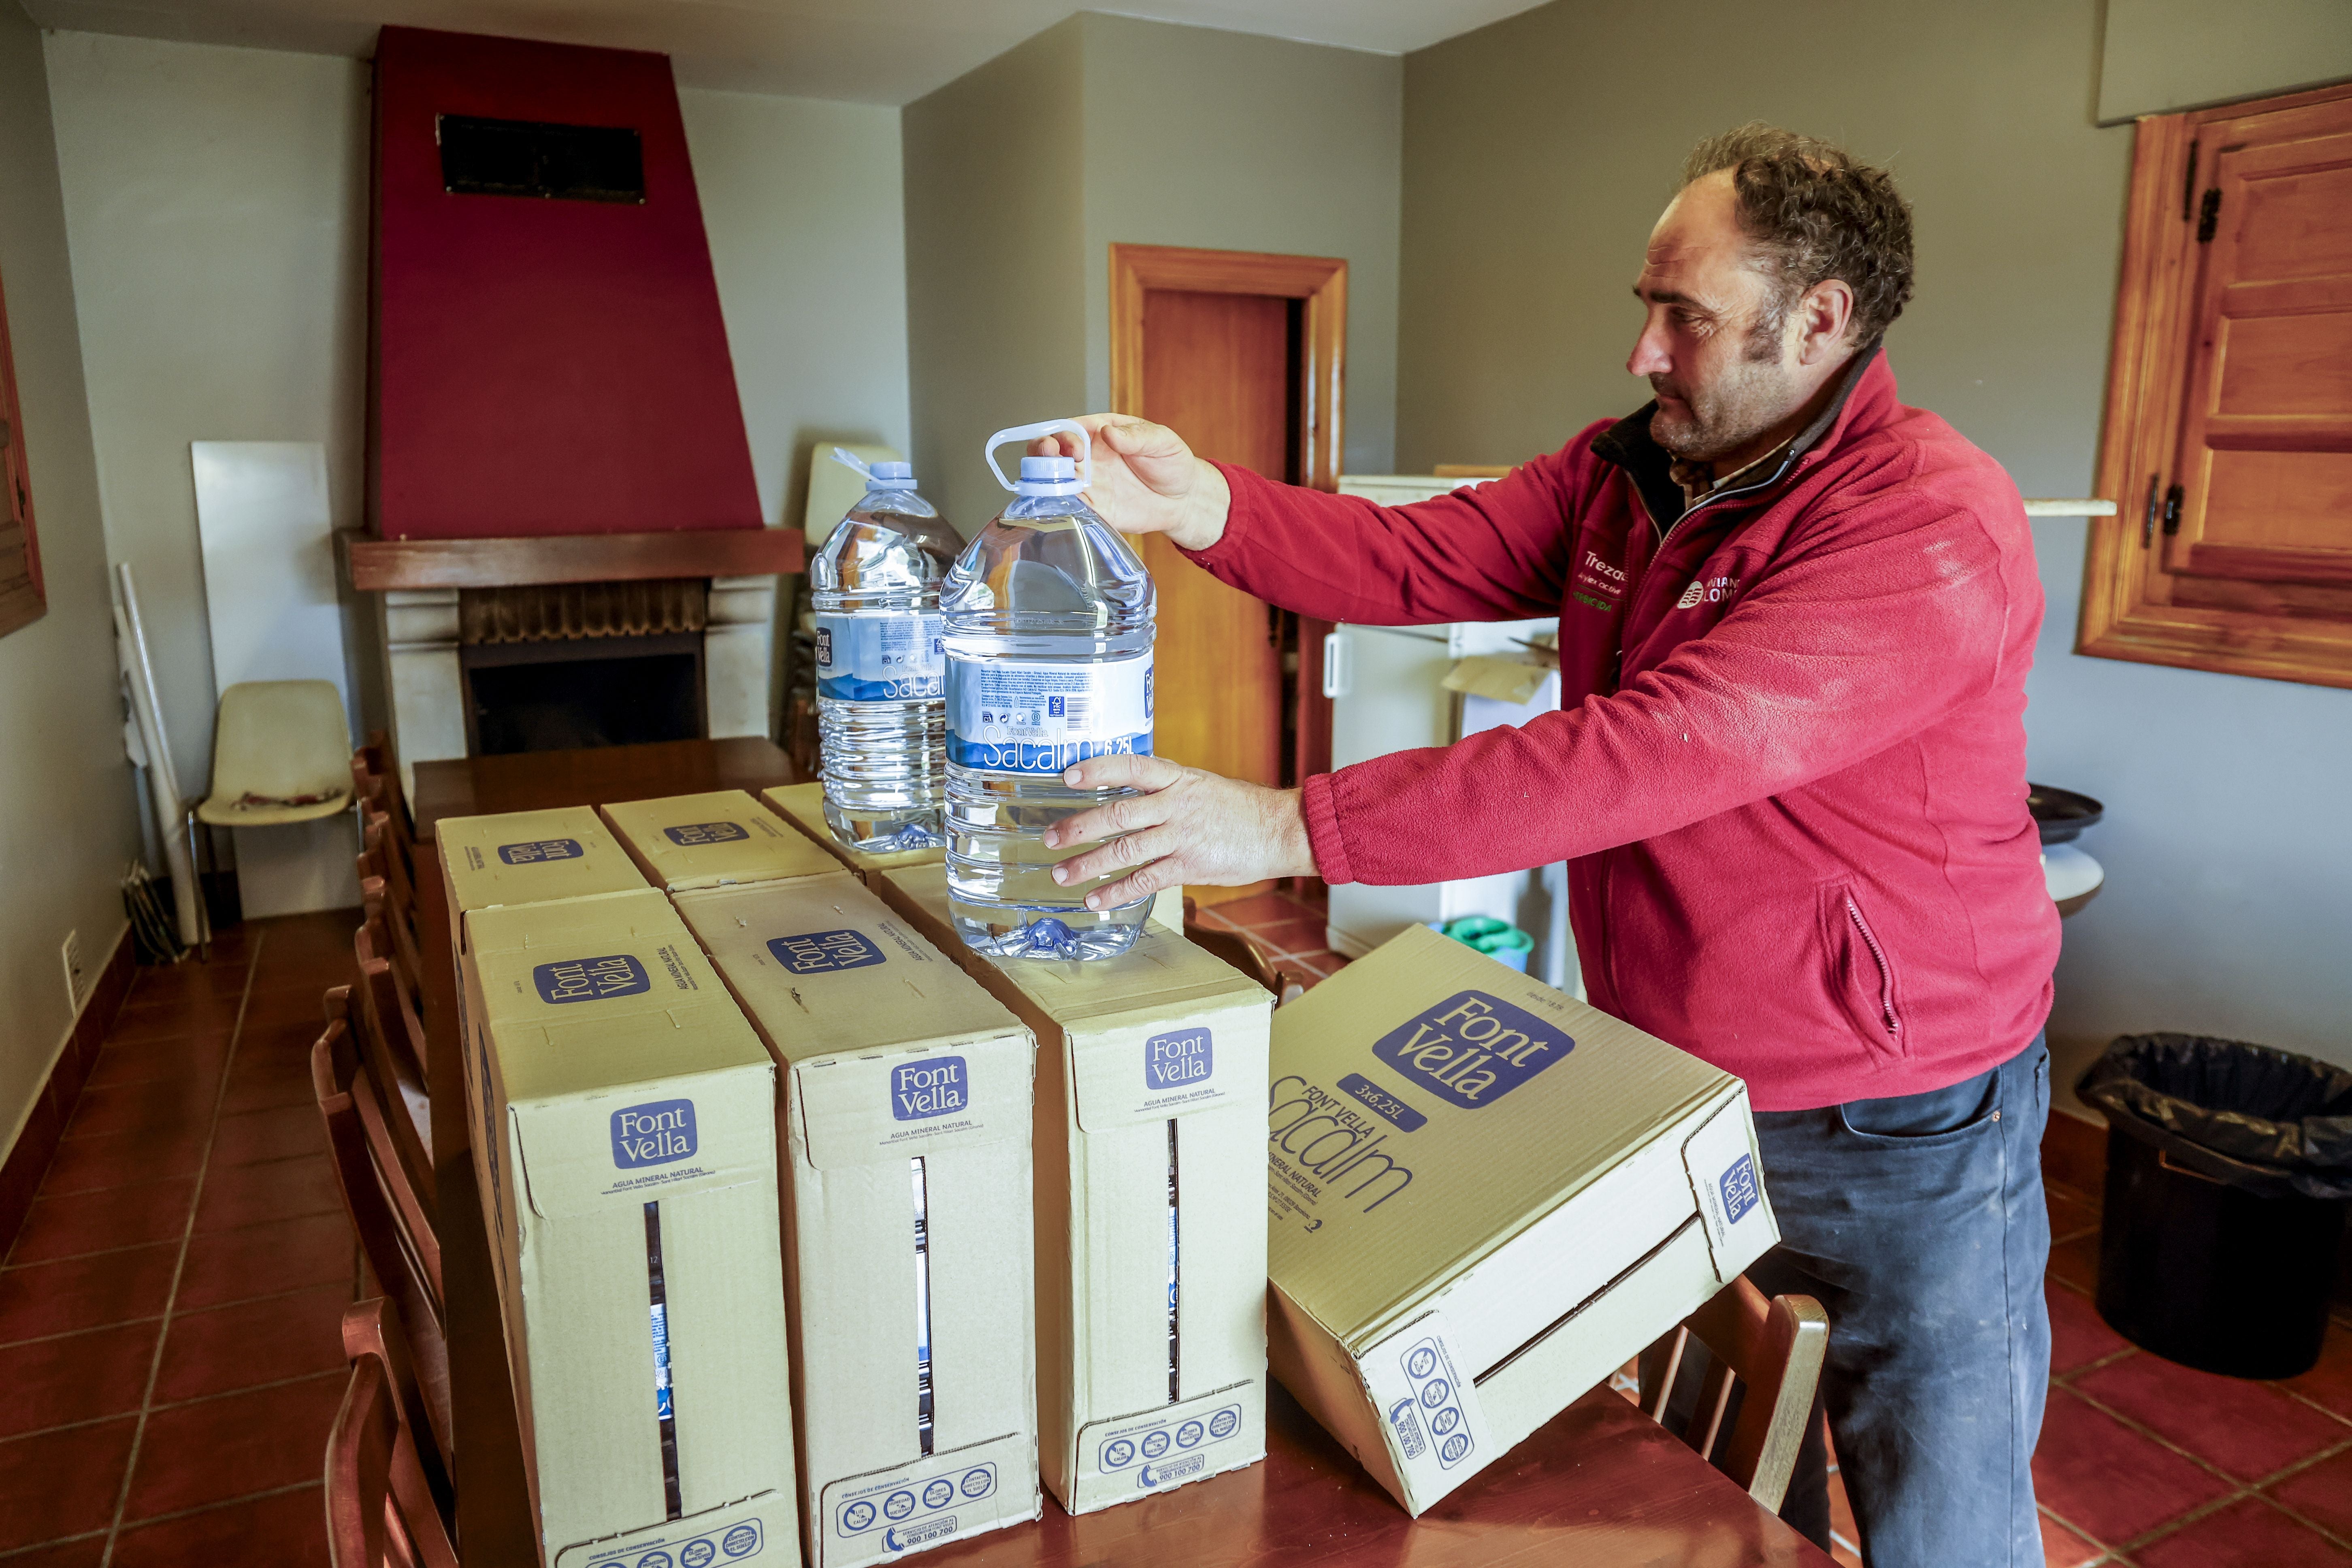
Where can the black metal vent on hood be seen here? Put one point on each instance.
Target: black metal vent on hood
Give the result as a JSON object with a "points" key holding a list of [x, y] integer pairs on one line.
{"points": [[527, 158]]}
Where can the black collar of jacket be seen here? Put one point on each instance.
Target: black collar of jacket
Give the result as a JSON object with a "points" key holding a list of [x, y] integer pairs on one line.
{"points": [[1650, 466]]}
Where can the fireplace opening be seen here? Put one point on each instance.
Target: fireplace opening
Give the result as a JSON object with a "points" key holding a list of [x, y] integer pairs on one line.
{"points": [[561, 693]]}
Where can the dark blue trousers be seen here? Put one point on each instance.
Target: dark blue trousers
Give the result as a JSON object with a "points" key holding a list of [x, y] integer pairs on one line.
{"points": [[1918, 1222]]}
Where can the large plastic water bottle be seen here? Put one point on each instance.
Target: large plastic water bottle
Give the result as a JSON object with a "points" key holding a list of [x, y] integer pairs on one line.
{"points": [[1049, 628], [880, 663]]}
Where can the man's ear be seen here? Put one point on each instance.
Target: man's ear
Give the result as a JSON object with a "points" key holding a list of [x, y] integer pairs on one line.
{"points": [[1824, 313]]}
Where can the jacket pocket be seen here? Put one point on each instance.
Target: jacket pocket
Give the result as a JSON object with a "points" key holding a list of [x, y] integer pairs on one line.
{"points": [[1858, 970]]}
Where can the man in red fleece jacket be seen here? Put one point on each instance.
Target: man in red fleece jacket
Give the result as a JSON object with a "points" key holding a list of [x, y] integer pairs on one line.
{"points": [[1788, 777]]}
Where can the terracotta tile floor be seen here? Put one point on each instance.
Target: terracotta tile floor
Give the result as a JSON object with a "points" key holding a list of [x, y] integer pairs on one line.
{"points": [[170, 1315], [2148, 1463], [1286, 925]]}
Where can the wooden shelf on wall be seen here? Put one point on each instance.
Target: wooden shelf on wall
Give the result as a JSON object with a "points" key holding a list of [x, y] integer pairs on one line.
{"points": [[374, 565]]}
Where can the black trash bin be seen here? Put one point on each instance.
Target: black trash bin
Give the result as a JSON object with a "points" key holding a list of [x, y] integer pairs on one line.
{"points": [[2228, 1165]]}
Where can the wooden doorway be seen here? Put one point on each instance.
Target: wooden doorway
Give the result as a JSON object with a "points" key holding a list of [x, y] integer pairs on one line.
{"points": [[1242, 355]]}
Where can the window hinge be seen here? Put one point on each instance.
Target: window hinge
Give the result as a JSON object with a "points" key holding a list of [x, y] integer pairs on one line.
{"points": [[2208, 214], [2172, 499]]}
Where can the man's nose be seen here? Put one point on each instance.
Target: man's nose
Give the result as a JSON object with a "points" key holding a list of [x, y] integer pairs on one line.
{"points": [[1650, 356]]}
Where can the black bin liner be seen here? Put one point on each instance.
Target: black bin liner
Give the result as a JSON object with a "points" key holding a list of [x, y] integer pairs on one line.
{"points": [[2227, 1168]]}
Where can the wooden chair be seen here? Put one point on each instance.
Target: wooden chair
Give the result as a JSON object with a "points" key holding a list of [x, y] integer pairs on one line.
{"points": [[1773, 1347], [399, 889], [377, 779], [390, 1040], [393, 991], [394, 1224], [1239, 952], [389, 1502]]}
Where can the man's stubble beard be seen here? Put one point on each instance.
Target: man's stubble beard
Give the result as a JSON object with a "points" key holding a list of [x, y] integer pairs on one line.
{"points": [[1746, 401]]}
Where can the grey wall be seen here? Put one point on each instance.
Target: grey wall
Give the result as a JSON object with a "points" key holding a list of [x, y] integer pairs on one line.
{"points": [[1537, 154], [217, 204], [2164, 55], [1106, 129], [1234, 141], [995, 245], [68, 821]]}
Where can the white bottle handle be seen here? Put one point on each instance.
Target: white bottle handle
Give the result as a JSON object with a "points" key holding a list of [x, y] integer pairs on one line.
{"points": [[849, 459], [1043, 427]]}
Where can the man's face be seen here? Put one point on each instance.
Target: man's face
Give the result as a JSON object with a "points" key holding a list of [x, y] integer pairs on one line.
{"points": [[1723, 373]]}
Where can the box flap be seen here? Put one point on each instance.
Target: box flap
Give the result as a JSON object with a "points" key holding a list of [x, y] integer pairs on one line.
{"points": [[602, 992], [1430, 1415], [1722, 1162], [685, 841], [731, 1533], [881, 1517], [897, 1105], [803, 806], [1428, 1105], [531, 857]]}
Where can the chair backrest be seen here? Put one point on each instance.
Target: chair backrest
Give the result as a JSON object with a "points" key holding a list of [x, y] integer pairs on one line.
{"points": [[1775, 1348], [389, 1501], [377, 779], [394, 1227], [389, 1033], [281, 739]]}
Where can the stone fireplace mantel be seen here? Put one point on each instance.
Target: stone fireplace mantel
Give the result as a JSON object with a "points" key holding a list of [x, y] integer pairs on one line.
{"points": [[416, 585]]}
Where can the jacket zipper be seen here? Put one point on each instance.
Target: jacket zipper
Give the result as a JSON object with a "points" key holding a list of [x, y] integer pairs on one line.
{"points": [[1666, 534], [1885, 970]]}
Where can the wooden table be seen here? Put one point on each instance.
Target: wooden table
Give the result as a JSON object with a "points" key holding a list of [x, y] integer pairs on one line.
{"points": [[1599, 1485]]}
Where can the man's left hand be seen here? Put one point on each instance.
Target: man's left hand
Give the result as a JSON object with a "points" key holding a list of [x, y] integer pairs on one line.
{"points": [[1190, 825]]}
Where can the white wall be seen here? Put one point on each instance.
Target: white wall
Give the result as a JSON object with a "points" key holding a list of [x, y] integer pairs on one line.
{"points": [[217, 203], [800, 200], [2227, 836], [68, 821]]}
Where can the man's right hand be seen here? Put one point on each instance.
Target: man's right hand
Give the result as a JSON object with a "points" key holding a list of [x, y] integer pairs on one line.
{"points": [[1146, 480]]}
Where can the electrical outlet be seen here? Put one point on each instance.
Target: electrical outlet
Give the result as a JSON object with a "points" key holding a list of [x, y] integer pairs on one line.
{"points": [[77, 980]]}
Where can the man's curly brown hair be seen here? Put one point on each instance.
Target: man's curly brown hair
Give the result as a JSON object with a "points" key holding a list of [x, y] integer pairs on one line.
{"points": [[1813, 214]]}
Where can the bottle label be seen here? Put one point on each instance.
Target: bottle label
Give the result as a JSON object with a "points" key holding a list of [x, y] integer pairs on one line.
{"points": [[880, 659], [1023, 716]]}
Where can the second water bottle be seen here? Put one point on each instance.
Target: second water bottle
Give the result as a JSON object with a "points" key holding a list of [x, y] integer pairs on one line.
{"points": [[1048, 618]]}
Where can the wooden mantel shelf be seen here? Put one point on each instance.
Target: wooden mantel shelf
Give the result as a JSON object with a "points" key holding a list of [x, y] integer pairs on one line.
{"points": [[374, 565]]}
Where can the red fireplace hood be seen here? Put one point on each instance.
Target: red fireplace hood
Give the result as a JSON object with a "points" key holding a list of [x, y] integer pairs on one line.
{"points": [[542, 363]]}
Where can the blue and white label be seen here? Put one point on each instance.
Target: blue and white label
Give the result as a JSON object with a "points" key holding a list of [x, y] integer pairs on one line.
{"points": [[880, 658], [655, 1133], [1388, 1106], [1429, 1405], [1737, 1185], [591, 979], [1473, 1048], [935, 1086], [1184, 1059], [823, 951], [539, 850], [694, 834], [915, 1511], [1032, 716], [711, 1549]]}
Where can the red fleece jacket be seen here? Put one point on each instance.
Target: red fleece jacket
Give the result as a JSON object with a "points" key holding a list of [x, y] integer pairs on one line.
{"points": [[1789, 771]]}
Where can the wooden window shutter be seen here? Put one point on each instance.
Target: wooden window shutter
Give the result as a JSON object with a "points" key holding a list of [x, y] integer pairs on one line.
{"points": [[21, 598], [2229, 433]]}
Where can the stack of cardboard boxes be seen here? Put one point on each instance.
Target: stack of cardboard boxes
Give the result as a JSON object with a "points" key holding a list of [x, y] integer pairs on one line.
{"points": [[819, 1232]]}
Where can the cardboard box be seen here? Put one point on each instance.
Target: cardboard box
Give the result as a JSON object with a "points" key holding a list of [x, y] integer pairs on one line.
{"points": [[1150, 1218], [803, 806], [625, 1144], [529, 857], [683, 842], [905, 1124], [1485, 1197]]}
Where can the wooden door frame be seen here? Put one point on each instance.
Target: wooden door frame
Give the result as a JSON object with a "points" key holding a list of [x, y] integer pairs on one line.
{"points": [[2122, 615], [1320, 281]]}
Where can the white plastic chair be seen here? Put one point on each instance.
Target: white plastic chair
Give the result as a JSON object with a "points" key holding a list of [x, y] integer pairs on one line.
{"points": [[281, 754]]}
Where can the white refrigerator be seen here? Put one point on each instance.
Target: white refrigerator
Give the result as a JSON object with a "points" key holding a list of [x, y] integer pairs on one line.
{"points": [[1387, 686]]}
